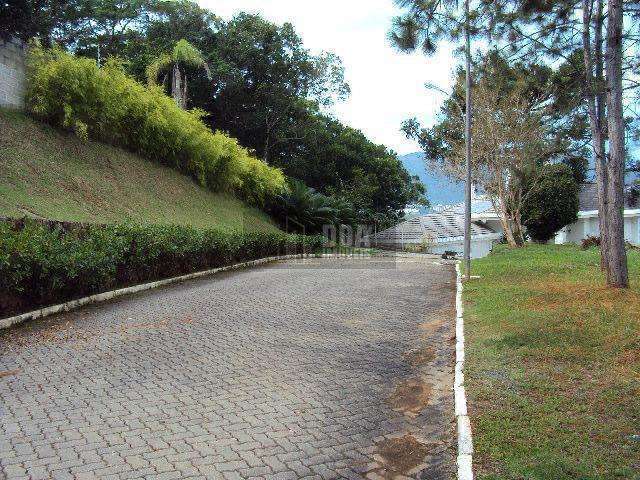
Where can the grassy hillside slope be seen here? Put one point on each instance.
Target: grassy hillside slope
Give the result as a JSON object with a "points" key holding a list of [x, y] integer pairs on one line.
{"points": [[47, 173]]}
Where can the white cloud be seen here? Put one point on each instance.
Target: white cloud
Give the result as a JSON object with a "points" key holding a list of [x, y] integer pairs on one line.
{"points": [[387, 86]]}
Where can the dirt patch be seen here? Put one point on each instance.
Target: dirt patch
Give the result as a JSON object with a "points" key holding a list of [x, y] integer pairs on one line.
{"points": [[401, 455], [559, 295], [429, 328], [411, 396], [9, 373], [434, 321], [420, 356], [52, 330]]}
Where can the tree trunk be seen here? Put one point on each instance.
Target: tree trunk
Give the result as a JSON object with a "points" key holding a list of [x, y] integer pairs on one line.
{"points": [[184, 92], [518, 228], [618, 275], [595, 94], [504, 220], [176, 86], [267, 147]]}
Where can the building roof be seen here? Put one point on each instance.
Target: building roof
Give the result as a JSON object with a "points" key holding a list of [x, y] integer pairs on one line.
{"points": [[435, 227], [588, 198]]}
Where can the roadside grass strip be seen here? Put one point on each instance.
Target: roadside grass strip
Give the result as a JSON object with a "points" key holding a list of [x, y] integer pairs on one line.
{"points": [[552, 367]]}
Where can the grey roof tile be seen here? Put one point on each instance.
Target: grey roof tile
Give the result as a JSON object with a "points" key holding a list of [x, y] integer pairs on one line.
{"points": [[434, 226]]}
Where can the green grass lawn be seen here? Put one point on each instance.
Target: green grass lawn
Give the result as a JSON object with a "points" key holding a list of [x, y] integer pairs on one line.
{"points": [[553, 366], [51, 174]]}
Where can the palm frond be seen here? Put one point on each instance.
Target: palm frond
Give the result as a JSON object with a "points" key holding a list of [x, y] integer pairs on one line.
{"points": [[185, 53], [154, 69]]}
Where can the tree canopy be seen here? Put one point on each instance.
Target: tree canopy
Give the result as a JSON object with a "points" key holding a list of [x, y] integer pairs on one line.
{"points": [[545, 91], [265, 88]]}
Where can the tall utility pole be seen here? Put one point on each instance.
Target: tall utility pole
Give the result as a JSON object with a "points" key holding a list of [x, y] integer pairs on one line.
{"points": [[467, 145]]}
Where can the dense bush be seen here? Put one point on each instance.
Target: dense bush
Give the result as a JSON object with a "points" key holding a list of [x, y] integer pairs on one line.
{"points": [[43, 264], [107, 105], [590, 241], [551, 203]]}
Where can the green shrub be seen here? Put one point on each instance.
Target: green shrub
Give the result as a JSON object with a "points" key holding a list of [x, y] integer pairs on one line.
{"points": [[551, 204], [107, 105], [43, 264]]}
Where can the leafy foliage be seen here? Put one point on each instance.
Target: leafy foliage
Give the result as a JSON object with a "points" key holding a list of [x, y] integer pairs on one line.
{"points": [[268, 91], [41, 264], [425, 23], [546, 92], [590, 241], [301, 208], [551, 204], [36, 18], [106, 104], [265, 88], [183, 56]]}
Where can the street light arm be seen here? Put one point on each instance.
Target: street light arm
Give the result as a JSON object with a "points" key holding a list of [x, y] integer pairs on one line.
{"points": [[433, 86]]}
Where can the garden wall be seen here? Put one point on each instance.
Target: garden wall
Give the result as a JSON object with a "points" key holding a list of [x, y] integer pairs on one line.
{"points": [[12, 73]]}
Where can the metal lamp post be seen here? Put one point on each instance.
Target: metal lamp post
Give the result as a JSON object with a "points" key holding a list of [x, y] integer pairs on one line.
{"points": [[467, 141]]}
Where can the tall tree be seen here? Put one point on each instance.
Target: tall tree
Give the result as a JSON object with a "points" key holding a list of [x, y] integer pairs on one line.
{"points": [[618, 274], [592, 26], [267, 82], [44, 19], [555, 30], [508, 151], [173, 68]]}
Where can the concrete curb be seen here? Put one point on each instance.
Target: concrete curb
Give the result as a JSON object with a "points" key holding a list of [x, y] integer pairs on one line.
{"points": [[465, 443], [101, 297]]}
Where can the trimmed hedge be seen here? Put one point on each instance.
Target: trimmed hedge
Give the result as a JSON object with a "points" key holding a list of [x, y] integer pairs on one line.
{"points": [[48, 263], [107, 105]]}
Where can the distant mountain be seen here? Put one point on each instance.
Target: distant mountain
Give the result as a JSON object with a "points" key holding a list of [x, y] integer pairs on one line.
{"points": [[440, 189]]}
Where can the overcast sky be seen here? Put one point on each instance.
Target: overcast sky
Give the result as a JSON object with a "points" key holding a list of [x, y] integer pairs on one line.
{"points": [[386, 86]]}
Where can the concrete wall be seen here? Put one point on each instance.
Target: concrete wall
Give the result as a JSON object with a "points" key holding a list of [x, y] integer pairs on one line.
{"points": [[480, 248], [12, 73]]}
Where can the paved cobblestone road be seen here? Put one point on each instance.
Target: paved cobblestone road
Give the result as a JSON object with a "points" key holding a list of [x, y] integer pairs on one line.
{"points": [[333, 369]]}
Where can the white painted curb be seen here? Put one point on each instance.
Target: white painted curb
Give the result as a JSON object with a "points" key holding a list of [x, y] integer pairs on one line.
{"points": [[465, 443], [101, 297]]}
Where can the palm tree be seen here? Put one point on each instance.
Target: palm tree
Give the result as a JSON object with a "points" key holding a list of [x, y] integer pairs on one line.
{"points": [[301, 207], [173, 66]]}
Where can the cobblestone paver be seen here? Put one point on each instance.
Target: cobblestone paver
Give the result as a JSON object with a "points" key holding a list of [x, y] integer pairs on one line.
{"points": [[331, 369]]}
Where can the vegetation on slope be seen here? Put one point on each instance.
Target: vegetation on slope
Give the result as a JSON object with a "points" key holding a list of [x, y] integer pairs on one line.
{"points": [[262, 86], [47, 173], [106, 104], [553, 366]]}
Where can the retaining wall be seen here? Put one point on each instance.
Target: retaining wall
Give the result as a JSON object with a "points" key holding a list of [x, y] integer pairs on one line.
{"points": [[12, 73]]}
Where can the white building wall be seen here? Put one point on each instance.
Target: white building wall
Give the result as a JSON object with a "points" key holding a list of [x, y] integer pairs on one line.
{"points": [[589, 226], [631, 233]]}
